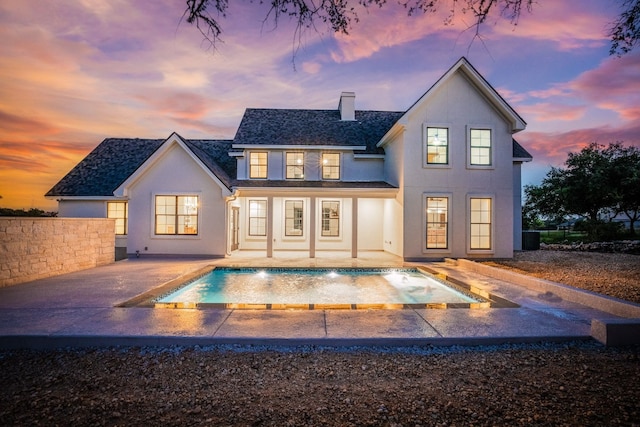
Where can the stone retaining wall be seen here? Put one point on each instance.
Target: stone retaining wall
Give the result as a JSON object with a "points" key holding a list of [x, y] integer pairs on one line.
{"points": [[619, 246], [34, 248]]}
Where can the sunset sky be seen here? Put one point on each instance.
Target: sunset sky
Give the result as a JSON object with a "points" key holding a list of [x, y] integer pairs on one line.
{"points": [[77, 71]]}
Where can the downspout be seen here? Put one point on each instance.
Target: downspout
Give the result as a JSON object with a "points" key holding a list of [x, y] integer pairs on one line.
{"points": [[228, 200]]}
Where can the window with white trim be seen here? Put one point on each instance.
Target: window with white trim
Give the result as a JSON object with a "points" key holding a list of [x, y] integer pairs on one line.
{"points": [[120, 212], [295, 165], [480, 223], [176, 215], [293, 217], [480, 147], [330, 165], [330, 218], [437, 146], [257, 217], [437, 222], [258, 165]]}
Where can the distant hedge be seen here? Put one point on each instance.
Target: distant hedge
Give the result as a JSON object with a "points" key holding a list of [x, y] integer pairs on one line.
{"points": [[23, 212]]}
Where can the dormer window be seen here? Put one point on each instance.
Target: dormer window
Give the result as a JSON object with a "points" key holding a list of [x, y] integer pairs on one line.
{"points": [[295, 165], [258, 165], [330, 166]]}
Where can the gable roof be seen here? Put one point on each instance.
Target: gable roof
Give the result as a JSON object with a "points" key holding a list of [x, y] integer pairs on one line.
{"points": [[114, 160], [314, 128], [480, 83], [484, 87]]}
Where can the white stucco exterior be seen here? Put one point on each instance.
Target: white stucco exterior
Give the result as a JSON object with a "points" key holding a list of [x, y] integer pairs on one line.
{"points": [[389, 215]]}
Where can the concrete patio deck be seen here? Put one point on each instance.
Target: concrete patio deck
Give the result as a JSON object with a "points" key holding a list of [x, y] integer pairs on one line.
{"points": [[79, 309]]}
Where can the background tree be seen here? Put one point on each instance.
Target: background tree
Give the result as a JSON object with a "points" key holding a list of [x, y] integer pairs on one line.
{"points": [[598, 183], [625, 169], [544, 202], [340, 15]]}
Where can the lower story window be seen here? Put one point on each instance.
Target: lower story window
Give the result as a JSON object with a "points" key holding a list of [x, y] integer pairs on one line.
{"points": [[480, 223], [330, 218], [177, 215], [119, 212], [437, 222], [257, 217], [293, 217]]}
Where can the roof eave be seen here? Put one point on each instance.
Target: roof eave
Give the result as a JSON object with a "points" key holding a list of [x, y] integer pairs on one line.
{"points": [[121, 190]]}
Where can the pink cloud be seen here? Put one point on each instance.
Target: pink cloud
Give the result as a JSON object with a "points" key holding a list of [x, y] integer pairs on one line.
{"points": [[387, 27], [177, 104], [555, 22], [552, 148], [562, 24], [614, 85], [551, 111]]}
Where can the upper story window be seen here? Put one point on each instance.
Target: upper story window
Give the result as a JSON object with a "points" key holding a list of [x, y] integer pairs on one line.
{"points": [[258, 165], [330, 166], [295, 165], [120, 212], [176, 215], [480, 147], [437, 146]]}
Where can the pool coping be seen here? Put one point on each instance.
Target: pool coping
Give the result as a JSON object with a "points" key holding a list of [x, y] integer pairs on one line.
{"points": [[84, 309], [148, 299]]}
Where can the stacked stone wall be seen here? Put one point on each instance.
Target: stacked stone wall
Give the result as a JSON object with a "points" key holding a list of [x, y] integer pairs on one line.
{"points": [[35, 248], [619, 246]]}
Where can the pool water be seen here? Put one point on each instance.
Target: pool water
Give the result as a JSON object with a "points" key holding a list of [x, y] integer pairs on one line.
{"points": [[317, 286]]}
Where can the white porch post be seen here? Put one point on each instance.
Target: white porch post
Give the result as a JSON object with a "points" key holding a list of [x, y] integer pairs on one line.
{"points": [[354, 227], [312, 227], [270, 227]]}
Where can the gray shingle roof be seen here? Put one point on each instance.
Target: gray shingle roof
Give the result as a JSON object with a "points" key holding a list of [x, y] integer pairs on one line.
{"points": [[115, 159], [519, 152], [103, 170], [314, 127], [215, 155]]}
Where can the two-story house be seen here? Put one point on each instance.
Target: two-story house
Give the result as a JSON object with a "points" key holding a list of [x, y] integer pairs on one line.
{"points": [[441, 179]]}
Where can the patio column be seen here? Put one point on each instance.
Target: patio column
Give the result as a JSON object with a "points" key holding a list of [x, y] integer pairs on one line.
{"points": [[354, 227], [270, 227], [312, 227]]}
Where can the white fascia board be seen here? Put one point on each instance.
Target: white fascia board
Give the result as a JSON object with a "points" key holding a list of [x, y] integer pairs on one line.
{"points": [[494, 98], [522, 159], [395, 130], [300, 147], [368, 156], [121, 191], [320, 192], [236, 153], [90, 198]]}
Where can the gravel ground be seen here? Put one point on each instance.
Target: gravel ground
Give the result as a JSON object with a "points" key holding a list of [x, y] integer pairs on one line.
{"points": [[616, 275], [570, 384]]}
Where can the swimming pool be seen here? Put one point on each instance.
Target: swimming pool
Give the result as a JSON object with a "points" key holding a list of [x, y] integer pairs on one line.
{"points": [[318, 289]]}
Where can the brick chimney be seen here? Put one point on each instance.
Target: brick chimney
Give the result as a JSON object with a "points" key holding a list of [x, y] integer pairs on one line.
{"points": [[347, 106]]}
